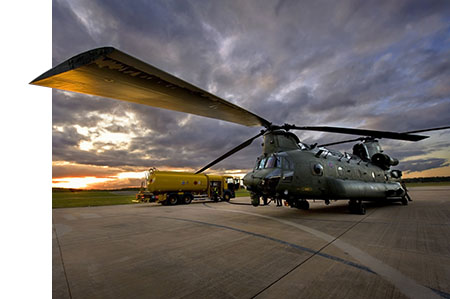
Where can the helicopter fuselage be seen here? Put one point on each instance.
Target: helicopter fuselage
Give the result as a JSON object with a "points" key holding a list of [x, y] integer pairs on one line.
{"points": [[290, 170]]}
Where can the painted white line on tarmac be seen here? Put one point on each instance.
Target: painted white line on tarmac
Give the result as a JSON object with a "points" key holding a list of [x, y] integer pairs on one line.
{"points": [[406, 285]]}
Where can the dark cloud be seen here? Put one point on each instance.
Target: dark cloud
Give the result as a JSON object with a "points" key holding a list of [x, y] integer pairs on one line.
{"points": [[371, 64], [423, 164], [79, 170]]}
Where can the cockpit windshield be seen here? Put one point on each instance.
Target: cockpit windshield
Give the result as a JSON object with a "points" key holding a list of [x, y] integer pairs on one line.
{"points": [[272, 161], [260, 164]]}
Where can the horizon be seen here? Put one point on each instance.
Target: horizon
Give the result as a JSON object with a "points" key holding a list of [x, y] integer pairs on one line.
{"points": [[289, 62]]}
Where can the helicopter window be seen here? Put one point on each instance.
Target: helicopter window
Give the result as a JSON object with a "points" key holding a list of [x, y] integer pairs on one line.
{"points": [[261, 163], [278, 162], [340, 171], [318, 169], [272, 162]]}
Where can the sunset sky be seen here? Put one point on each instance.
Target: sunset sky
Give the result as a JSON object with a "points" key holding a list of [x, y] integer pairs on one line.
{"points": [[367, 64]]}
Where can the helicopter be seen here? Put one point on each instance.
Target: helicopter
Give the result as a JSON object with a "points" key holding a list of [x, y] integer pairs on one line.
{"points": [[286, 169]]}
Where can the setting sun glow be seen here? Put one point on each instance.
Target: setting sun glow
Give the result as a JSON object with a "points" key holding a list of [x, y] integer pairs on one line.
{"points": [[77, 182]]}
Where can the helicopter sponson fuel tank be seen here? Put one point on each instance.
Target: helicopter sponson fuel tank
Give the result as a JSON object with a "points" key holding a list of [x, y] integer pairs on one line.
{"points": [[287, 168]]}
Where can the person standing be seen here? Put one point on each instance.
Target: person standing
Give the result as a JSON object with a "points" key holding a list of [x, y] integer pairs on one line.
{"points": [[279, 202]]}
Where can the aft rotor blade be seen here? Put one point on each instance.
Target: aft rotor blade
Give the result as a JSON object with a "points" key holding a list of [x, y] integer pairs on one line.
{"points": [[409, 132], [428, 130], [340, 142], [230, 152], [361, 132], [110, 73]]}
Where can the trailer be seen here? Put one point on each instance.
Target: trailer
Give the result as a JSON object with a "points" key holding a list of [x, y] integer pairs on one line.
{"points": [[171, 187]]}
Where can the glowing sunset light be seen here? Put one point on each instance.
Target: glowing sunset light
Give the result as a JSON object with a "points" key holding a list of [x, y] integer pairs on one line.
{"points": [[77, 182]]}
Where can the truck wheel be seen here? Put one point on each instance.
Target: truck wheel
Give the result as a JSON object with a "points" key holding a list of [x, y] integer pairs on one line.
{"points": [[226, 196], [187, 199], [173, 200]]}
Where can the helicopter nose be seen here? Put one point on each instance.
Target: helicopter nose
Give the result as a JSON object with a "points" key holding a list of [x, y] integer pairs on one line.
{"points": [[270, 183], [250, 181], [263, 181]]}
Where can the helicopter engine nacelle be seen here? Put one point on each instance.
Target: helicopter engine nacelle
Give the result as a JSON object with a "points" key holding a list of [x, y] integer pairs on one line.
{"points": [[384, 161]]}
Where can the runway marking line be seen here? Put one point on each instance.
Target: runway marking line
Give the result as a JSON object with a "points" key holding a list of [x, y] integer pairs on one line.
{"points": [[292, 245], [62, 261], [406, 285]]}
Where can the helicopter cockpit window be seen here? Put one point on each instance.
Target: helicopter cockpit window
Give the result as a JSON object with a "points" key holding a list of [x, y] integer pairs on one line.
{"points": [[273, 162], [261, 163]]}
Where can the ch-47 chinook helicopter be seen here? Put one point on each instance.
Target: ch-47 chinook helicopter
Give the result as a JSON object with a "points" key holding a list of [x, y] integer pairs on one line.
{"points": [[287, 168]]}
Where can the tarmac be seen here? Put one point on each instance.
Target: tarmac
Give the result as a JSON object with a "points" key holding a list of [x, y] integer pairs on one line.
{"points": [[234, 250]]}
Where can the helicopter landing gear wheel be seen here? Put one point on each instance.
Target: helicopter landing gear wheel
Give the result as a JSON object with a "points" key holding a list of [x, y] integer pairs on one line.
{"points": [[303, 205], [356, 207], [255, 199]]}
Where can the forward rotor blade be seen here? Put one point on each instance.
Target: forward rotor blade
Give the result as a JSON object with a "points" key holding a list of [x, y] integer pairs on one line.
{"points": [[232, 151], [110, 73], [361, 132]]}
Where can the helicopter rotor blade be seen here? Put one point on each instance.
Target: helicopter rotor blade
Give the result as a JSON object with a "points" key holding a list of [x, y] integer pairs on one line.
{"points": [[409, 132], [428, 130], [361, 132], [340, 142], [110, 73], [231, 152]]}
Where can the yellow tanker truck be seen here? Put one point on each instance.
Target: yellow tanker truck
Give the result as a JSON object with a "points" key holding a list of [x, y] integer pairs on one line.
{"points": [[171, 188]]}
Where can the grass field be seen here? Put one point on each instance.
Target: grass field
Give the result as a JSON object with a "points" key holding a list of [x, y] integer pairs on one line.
{"points": [[242, 193], [71, 199]]}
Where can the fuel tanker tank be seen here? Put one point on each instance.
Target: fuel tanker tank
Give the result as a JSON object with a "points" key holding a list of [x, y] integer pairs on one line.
{"points": [[165, 181]]}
